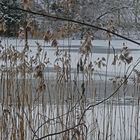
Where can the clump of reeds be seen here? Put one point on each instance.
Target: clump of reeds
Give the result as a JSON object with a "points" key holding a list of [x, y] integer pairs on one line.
{"points": [[34, 106]]}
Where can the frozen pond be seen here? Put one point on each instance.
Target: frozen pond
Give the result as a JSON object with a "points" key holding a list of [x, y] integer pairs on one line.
{"points": [[99, 50]]}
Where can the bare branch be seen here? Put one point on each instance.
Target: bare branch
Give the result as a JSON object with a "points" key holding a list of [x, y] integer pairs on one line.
{"points": [[57, 133], [114, 9]]}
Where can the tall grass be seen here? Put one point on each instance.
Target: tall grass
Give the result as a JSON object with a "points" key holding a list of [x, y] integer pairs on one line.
{"points": [[38, 104]]}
